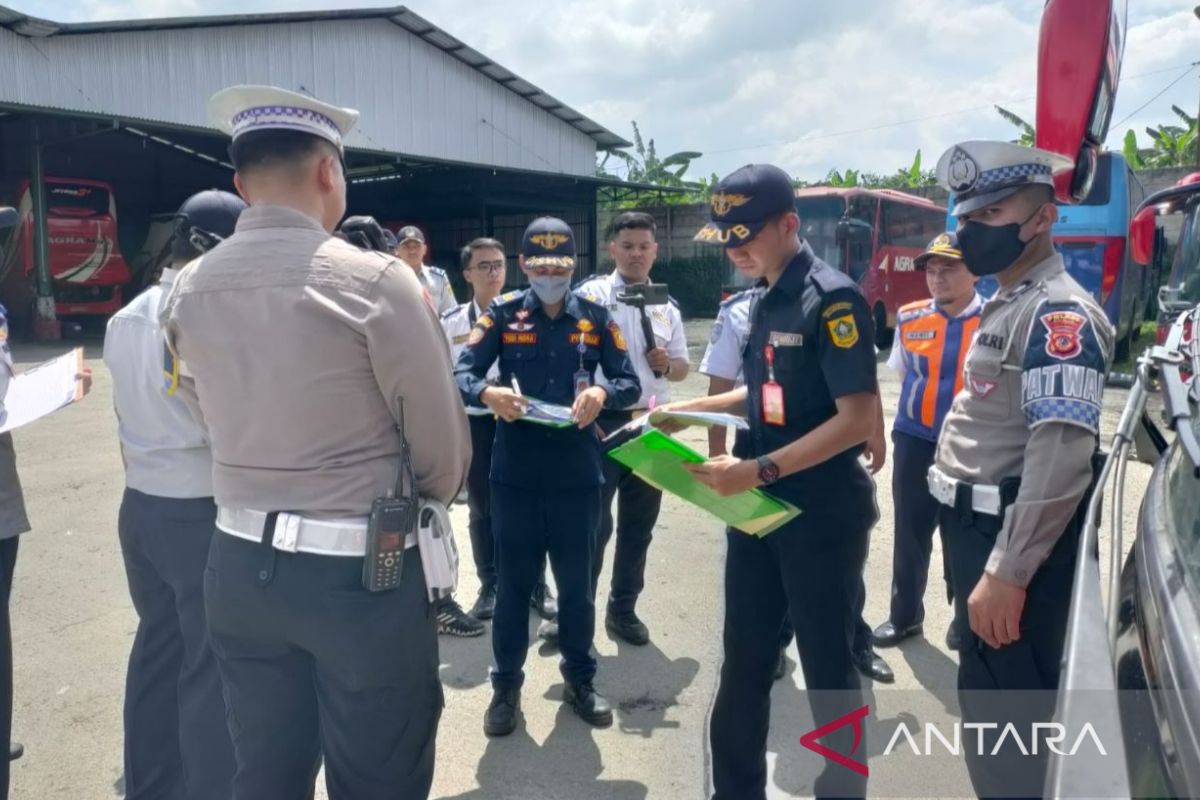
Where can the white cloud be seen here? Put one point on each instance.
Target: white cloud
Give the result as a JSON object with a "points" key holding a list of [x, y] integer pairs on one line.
{"points": [[820, 83]]}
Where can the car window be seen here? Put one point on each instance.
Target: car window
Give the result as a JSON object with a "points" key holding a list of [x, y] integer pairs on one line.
{"points": [[1183, 502]]}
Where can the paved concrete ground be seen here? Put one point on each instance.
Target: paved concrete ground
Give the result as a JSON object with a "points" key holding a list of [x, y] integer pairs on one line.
{"points": [[73, 626]]}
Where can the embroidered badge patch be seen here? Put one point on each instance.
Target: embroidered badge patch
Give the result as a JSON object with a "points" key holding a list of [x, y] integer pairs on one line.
{"points": [[1062, 334], [618, 337], [585, 325], [835, 309], [518, 338], [476, 334], [843, 331]]}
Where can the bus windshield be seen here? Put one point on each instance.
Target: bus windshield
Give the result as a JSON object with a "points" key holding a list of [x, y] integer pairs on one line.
{"points": [[818, 226]]}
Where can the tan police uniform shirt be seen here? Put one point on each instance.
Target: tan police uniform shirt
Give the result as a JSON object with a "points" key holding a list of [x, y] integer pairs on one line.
{"points": [[295, 351], [1030, 408]]}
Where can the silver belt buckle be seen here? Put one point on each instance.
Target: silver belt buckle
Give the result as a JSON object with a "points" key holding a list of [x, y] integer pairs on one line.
{"points": [[940, 486], [287, 532]]}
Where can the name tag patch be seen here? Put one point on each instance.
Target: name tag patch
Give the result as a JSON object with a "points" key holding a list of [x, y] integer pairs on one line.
{"points": [[780, 339], [920, 335], [591, 339], [518, 338]]}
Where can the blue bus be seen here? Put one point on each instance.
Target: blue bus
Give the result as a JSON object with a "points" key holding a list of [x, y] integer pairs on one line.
{"points": [[1093, 238]]}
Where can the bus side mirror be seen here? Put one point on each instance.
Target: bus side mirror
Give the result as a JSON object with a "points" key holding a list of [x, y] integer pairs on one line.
{"points": [[852, 230], [1141, 236], [8, 217]]}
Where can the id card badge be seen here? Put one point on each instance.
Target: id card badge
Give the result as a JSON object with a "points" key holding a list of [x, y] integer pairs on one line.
{"points": [[583, 382], [772, 393]]}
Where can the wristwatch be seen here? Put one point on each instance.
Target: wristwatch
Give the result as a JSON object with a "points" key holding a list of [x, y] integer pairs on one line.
{"points": [[768, 470]]}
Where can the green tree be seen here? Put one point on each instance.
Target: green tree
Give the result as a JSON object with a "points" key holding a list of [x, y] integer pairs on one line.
{"points": [[1172, 145], [1027, 137], [644, 165]]}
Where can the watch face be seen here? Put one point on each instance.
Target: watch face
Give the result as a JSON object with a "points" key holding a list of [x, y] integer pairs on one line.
{"points": [[769, 473]]}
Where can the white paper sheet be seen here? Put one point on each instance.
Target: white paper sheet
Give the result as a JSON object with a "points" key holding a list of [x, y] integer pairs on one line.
{"points": [[40, 391]]}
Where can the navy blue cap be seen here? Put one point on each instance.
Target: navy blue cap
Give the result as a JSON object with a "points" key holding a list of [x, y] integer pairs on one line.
{"points": [[744, 201], [410, 232], [548, 242], [944, 245]]}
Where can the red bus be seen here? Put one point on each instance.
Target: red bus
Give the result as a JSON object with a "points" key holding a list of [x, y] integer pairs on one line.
{"points": [[873, 235], [86, 264]]}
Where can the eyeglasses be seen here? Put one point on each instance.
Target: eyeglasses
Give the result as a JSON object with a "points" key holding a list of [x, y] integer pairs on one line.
{"points": [[490, 267]]}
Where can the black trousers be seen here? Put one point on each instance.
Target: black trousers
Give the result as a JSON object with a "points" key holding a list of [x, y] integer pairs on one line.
{"points": [[479, 498], [1015, 683], [916, 517], [316, 666], [176, 737], [638, 504], [811, 571], [530, 524], [8, 564]]}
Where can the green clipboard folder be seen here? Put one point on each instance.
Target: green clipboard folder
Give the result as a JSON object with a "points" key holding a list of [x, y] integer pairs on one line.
{"points": [[658, 460]]}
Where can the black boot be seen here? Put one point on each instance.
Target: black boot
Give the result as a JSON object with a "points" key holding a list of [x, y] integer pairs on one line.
{"points": [[485, 605], [627, 626], [591, 707], [501, 716]]}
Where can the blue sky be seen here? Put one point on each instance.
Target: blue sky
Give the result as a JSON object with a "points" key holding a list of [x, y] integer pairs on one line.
{"points": [[808, 84]]}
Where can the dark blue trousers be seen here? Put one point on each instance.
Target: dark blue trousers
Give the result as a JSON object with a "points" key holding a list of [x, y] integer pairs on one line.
{"points": [[176, 738], [916, 517], [530, 524]]}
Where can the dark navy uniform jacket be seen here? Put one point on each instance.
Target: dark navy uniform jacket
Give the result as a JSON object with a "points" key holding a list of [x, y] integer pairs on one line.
{"points": [[544, 354], [818, 324]]}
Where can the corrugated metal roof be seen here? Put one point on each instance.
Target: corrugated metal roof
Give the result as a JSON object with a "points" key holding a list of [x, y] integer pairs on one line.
{"points": [[32, 27]]}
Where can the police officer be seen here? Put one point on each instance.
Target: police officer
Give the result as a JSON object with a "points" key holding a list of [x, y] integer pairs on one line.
{"points": [[658, 363], [545, 481], [932, 339], [1014, 456], [483, 269], [176, 739], [722, 363], [412, 249], [309, 360], [810, 398]]}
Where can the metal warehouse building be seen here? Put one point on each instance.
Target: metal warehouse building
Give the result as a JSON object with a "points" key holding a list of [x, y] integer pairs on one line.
{"points": [[448, 139]]}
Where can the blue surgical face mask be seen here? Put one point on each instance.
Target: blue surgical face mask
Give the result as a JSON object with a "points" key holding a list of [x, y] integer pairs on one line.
{"points": [[550, 289]]}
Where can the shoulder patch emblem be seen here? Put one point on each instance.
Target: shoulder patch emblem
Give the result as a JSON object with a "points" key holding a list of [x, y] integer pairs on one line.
{"points": [[1062, 334], [843, 331], [476, 335], [618, 337]]}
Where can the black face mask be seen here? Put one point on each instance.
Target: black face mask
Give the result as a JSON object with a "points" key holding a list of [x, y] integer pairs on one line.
{"points": [[988, 249]]}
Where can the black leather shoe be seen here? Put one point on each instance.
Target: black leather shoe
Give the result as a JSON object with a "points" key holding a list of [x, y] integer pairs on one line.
{"points": [[501, 716], [542, 601], [591, 707], [15, 750], [628, 627], [485, 605], [872, 666], [548, 633], [954, 639], [888, 635], [781, 665]]}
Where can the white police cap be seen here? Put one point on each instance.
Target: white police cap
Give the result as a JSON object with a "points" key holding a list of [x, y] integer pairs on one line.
{"points": [[981, 173], [242, 109]]}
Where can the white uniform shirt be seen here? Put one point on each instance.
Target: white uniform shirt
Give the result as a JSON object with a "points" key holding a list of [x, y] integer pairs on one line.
{"points": [[437, 283], [731, 331], [166, 452], [457, 324], [665, 322]]}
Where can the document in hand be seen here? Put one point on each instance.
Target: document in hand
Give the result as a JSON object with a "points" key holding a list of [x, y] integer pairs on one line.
{"points": [[543, 413], [42, 390], [658, 459]]}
